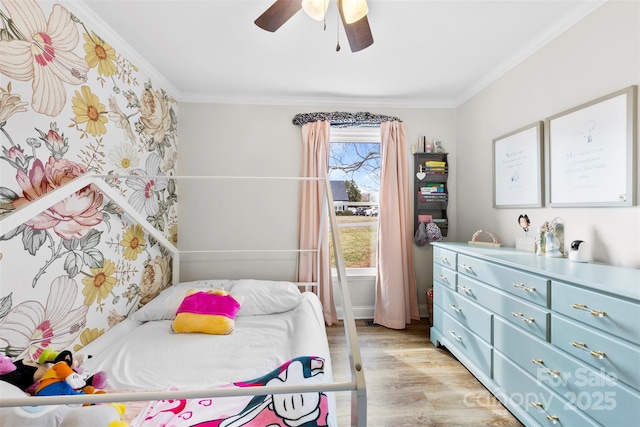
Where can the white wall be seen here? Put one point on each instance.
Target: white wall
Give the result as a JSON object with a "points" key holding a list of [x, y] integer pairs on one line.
{"points": [[595, 57], [261, 141]]}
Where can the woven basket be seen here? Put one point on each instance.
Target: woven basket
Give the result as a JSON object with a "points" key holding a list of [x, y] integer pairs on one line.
{"points": [[430, 305]]}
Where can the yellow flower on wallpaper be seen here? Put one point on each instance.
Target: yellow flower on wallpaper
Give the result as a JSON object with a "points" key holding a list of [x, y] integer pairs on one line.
{"points": [[100, 54], [89, 110], [42, 52], [133, 242], [173, 234], [86, 337], [100, 283]]}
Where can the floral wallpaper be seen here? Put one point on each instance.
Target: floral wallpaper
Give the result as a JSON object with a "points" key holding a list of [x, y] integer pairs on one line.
{"points": [[71, 104]]}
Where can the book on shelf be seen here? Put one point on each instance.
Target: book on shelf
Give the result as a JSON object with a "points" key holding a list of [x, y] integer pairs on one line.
{"points": [[435, 164], [432, 188], [433, 199]]}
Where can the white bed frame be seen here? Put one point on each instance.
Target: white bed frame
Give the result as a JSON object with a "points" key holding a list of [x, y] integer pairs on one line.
{"points": [[357, 385]]}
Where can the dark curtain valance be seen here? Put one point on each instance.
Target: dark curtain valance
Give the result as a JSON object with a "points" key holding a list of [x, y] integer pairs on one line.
{"points": [[340, 119]]}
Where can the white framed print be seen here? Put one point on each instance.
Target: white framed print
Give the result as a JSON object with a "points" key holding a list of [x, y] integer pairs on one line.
{"points": [[517, 168], [590, 154]]}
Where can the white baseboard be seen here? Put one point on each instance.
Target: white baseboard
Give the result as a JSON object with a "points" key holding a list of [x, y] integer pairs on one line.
{"points": [[366, 312]]}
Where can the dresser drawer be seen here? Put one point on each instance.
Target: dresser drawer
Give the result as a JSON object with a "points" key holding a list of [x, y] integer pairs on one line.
{"points": [[444, 276], [613, 315], [601, 397], [469, 314], [531, 288], [530, 317], [547, 407], [614, 357], [462, 340], [444, 257]]}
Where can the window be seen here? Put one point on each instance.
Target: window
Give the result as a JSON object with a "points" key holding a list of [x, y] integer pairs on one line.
{"points": [[354, 170]]}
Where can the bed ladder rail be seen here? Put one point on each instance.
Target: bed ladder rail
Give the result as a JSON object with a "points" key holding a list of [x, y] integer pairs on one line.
{"points": [[35, 207], [359, 395]]}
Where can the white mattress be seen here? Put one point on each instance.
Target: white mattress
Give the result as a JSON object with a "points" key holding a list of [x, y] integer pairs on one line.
{"points": [[148, 356]]}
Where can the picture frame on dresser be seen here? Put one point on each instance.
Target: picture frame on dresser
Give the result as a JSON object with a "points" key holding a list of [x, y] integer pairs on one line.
{"points": [[590, 152], [517, 168]]}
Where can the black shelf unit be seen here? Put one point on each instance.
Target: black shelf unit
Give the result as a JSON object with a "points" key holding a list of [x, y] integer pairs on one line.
{"points": [[430, 202]]}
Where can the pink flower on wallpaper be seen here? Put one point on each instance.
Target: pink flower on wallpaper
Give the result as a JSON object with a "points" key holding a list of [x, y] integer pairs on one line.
{"points": [[146, 190], [43, 52], [29, 327], [72, 217]]}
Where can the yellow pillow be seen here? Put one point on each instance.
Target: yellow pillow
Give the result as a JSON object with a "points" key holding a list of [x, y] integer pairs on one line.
{"points": [[210, 311]]}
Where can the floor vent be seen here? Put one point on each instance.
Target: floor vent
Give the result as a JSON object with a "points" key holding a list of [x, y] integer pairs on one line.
{"points": [[370, 323]]}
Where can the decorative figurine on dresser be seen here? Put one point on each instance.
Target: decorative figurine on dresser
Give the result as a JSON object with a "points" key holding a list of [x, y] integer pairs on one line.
{"points": [[556, 341]]}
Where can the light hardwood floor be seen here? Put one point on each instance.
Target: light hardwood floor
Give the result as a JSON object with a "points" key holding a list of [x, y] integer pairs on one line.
{"points": [[411, 383]]}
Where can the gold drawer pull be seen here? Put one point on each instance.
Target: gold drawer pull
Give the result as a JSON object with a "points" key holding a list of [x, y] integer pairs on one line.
{"points": [[596, 313], [444, 278], [540, 362], [523, 318], [583, 346], [553, 418], [522, 286], [456, 309], [455, 336]]}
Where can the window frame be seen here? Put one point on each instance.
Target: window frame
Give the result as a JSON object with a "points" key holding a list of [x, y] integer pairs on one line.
{"points": [[369, 134]]}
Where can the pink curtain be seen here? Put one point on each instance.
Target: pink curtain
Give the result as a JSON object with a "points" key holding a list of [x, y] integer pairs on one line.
{"points": [[396, 290], [315, 164]]}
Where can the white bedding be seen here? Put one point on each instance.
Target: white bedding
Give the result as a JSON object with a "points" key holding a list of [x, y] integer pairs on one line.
{"points": [[148, 356]]}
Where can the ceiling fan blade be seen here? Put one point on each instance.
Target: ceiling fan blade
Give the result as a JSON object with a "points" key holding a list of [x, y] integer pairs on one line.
{"points": [[358, 33], [277, 14]]}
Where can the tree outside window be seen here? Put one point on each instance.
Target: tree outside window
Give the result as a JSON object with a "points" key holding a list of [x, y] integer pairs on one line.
{"points": [[357, 164]]}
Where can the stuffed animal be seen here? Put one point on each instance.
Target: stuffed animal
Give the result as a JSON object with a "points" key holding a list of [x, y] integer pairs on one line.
{"points": [[54, 368], [210, 311], [22, 373], [62, 378], [26, 374], [97, 380], [6, 365]]}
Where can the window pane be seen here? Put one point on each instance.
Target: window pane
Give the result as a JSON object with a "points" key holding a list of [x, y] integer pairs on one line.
{"points": [[354, 169]]}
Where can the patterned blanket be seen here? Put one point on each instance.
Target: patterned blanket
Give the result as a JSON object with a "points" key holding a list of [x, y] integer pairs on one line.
{"points": [[285, 410]]}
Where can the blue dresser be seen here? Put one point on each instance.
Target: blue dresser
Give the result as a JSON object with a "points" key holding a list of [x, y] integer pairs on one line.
{"points": [[557, 342]]}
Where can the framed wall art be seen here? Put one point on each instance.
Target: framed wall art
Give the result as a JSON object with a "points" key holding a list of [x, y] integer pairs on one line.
{"points": [[590, 153], [517, 168]]}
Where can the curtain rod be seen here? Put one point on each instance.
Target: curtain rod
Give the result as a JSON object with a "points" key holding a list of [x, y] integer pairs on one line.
{"points": [[344, 119]]}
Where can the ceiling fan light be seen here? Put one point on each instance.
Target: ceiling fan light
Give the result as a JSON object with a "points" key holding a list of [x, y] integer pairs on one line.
{"points": [[315, 8], [354, 10]]}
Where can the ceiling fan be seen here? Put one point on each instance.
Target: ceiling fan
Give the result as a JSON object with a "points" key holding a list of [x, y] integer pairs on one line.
{"points": [[353, 14]]}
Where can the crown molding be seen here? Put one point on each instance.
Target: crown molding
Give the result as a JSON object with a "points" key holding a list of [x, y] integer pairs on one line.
{"points": [[97, 25], [208, 98]]}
